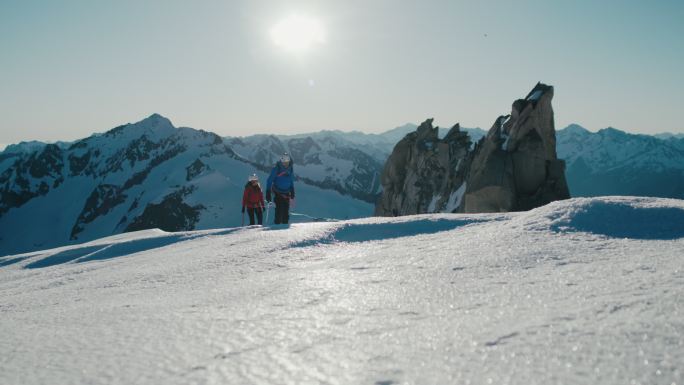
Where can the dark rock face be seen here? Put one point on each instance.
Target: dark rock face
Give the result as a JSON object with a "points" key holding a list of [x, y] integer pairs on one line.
{"points": [[196, 168], [171, 214], [423, 172], [513, 168], [100, 202], [30, 176], [47, 163]]}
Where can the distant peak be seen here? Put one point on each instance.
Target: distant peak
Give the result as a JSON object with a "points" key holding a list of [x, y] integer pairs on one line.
{"points": [[611, 130], [408, 127], [155, 122], [24, 147], [575, 128], [669, 135], [154, 125], [156, 118]]}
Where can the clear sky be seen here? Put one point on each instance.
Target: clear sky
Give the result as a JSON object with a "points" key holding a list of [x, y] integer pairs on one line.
{"points": [[71, 68]]}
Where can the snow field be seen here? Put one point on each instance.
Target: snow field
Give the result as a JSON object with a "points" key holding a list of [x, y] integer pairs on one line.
{"points": [[567, 293]]}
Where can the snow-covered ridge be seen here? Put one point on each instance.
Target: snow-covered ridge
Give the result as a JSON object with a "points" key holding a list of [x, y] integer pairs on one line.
{"points": [[135, 176], [103, 184], [348, 162], [613, 162], [610, 148], [327, 159], [566, 293]]}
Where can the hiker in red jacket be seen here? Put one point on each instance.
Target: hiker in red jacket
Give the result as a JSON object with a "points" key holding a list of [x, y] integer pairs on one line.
{"points": [[253, 200]]}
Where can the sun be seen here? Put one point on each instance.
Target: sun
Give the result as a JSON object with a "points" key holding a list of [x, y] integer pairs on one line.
{"points": [[298, 33]]}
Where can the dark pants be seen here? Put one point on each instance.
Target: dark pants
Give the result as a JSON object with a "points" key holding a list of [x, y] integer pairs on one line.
{"points": [[282, 209], [259, 214]]}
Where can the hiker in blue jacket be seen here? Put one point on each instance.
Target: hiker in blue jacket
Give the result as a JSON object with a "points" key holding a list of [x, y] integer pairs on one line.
{"points": [[281, 184]]}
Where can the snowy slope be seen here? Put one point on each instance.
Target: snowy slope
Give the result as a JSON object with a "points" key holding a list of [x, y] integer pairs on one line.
{"points": [[612, 162], [136, 176], [583, 291], [325, 160], [611, 148]]}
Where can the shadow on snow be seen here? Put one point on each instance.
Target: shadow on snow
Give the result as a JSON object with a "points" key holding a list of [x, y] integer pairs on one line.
{"points": [[114, 250], [378, 231], [621, 220]]}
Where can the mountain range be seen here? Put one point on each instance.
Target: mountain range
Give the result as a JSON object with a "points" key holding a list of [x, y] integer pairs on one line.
{"points": [[606, 162], [613, 162], [151, 174], [144, 175]]}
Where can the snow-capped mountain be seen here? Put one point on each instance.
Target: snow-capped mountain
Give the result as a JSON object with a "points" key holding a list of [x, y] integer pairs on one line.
{"points": [[348, 162], [152, 174], [612, 162], [581, 291], [137, 176], [608, 162], [669, 135], [326, 160]]}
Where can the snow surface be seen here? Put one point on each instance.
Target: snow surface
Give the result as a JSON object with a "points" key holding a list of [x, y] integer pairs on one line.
{"points": [[587, 290], [455, 198]]}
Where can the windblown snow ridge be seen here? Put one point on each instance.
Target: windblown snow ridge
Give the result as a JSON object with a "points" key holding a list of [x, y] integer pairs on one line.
{"points": [[613, 217], [108, 248], [354, 232]]}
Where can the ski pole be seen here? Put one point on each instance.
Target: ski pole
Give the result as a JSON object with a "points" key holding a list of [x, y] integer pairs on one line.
{"points": [[268, 210], [243, 219]]}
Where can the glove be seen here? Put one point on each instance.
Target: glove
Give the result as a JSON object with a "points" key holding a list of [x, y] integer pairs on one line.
{"points": [[243, 209], [268, 196], [292, 194]]}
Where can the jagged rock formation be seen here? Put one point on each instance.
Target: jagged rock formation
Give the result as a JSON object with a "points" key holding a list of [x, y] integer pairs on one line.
{"points": [[423, 172], [513, 168]]}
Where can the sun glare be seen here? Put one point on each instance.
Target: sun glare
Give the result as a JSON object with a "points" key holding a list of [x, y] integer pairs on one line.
{"points": [[298, 33]]}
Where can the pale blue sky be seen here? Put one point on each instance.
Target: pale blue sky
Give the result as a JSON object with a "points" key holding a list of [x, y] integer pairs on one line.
{"points": [[71, 68]]}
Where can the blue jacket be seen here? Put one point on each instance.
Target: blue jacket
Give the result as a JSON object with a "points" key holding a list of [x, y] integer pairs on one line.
{"points": [[281, 179]]}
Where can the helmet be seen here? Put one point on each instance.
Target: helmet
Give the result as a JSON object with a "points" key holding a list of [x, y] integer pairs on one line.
{"points": [[252, 178], [285, 158]]}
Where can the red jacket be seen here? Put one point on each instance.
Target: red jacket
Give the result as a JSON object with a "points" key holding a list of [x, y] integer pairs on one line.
{"points": [[253, 197]]}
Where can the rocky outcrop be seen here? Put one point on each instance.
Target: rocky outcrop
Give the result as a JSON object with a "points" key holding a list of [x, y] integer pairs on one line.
{"points": [[513, 168], [31, 175], [424, 173], [195, 169], [100, 202], [171, 214]]}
